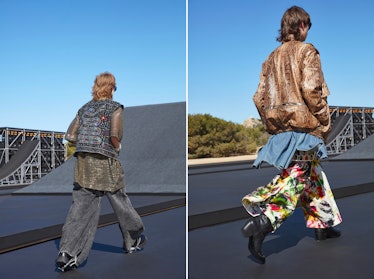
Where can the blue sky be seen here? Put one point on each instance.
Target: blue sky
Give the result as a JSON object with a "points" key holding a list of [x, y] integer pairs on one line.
{"points": [[229, 40], [51, 51]]}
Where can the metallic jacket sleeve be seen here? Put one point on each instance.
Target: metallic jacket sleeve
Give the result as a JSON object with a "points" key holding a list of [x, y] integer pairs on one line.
{"points": [[116, 126], [72, 132]]}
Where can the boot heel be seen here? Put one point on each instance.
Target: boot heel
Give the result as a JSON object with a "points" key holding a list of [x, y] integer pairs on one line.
{"points": [[320, 234]]}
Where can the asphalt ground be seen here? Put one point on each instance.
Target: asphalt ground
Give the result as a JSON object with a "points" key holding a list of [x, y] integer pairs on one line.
{"points": [[214, 250], [218, 250], [19, 214], [164, 255], [217, 187], [291, 252], [153, 157]]}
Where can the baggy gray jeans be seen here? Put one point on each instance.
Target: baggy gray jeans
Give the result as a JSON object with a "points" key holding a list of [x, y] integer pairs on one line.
{"points": [[79, 230]]}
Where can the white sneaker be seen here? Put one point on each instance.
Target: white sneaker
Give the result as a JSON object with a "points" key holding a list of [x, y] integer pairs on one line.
{"points": [[138, 244]]}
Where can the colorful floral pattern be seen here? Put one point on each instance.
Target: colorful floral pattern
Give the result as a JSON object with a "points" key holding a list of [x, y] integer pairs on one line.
{"points": [[303, 180]]}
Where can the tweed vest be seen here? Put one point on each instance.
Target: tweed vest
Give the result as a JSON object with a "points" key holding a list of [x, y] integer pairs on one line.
{"points": [[94, 127]]}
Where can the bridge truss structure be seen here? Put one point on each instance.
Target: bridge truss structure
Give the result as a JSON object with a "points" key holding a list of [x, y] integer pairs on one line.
{"points": [[350, 126], [27, 155]]}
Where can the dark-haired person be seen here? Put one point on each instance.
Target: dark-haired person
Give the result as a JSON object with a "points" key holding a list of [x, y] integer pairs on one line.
{"points": [[291, 99], [97, 132]]}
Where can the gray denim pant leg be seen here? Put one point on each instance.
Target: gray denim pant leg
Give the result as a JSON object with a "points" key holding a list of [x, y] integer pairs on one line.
{"points": [[129, 220], [79, 230]]}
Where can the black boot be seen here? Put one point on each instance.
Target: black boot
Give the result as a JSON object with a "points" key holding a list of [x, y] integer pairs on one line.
{"points": [[250, 227], [322, 234], [256, 229]]}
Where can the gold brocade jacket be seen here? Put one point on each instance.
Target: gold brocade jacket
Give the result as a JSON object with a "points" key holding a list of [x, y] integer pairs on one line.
{"points": [[292, 93]]}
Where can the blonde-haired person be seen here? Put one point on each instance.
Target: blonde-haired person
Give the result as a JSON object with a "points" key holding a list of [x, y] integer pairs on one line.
{"points": [[291, 99], [96, 132]]}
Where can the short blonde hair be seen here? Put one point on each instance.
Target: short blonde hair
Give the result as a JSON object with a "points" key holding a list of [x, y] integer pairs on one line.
{"points": [[103, 86]]}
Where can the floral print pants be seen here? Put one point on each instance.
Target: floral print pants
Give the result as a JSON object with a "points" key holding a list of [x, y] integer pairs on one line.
{"points": [[302, 181]]}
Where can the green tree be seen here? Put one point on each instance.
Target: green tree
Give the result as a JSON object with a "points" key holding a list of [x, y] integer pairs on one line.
{"points": [[210, 136]]}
